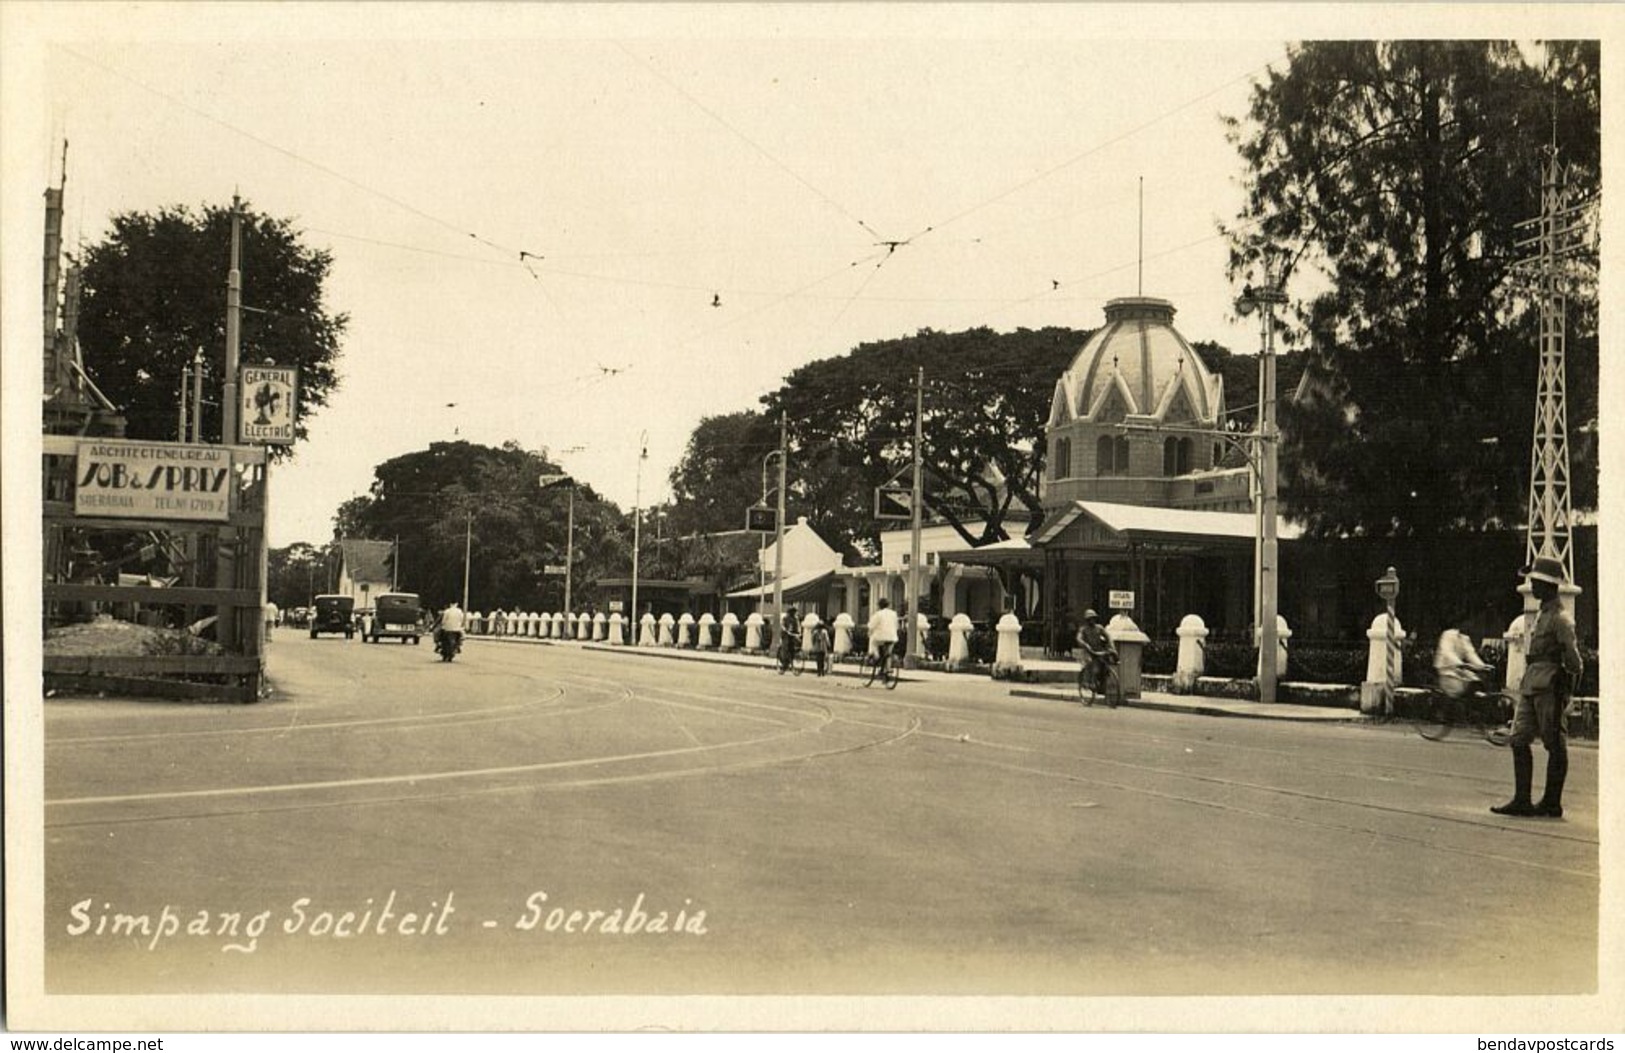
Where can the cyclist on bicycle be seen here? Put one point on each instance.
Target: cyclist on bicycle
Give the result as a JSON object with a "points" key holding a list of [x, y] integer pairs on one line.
{"points": [[1098, 649], [789, 637], [1456, 665], [882, 632]]}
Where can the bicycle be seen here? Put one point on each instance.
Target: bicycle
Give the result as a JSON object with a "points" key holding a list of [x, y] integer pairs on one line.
{"points": [[1088, 689], [882, 665], [789, 659], [1488, 713]]}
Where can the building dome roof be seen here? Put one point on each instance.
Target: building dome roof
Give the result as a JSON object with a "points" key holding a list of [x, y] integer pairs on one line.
{"points": [[1138, 364]]}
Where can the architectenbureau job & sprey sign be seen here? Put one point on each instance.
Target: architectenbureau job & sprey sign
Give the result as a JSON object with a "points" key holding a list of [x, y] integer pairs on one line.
{"points": [[152, 480]]}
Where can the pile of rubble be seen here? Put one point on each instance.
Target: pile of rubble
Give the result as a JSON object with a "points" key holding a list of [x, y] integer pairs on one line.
{"points": [[109, 636]]}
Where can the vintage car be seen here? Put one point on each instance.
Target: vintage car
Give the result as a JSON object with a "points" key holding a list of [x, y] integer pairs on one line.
{"points": [[396, 615], [333, 614]]}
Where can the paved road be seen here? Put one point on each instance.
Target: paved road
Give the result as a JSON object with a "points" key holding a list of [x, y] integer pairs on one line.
{"points": [[388, 823]]}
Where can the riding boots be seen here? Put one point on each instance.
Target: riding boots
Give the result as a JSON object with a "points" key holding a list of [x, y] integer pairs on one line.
{"points": [[1557, 770], [1523, 775]]}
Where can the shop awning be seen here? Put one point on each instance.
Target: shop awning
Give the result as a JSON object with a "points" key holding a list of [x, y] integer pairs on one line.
{"points": [[1017, 552], [1147, 523], [796, 586]]}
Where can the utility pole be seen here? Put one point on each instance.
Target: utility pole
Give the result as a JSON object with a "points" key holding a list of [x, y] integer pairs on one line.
{"points": [[1266, 297], [468, 551], [911, 650], [197, 396], [778, 543], [234, 309], [570, 546], [637, 530], [395, 566], [186, 383]]}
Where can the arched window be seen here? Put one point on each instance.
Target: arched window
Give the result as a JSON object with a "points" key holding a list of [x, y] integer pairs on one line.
{"points": [[1103, 456], [1061, 463], [1176, 456]]}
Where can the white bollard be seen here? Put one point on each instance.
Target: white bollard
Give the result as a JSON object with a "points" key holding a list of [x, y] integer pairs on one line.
{"points": [[646, 630], [809, 622], [666, 622], [730, 632], [600, 627], [959, 631], [1283, 633], [685, 630], [1374, 691], [545, 626], [753, 631], [583, 626], [1007, 660], [1192, 661], [558, 625], [707, 623], [616, 627], [476, 624], [843, 635], [922, 629], [1130, 642]]}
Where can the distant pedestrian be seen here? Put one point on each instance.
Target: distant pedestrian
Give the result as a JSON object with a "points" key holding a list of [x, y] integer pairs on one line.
{"points": [[818, 647], [1553, 667], [273, 617]]}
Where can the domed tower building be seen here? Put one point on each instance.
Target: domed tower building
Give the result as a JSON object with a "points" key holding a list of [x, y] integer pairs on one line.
{"points": [[1143, 493]]}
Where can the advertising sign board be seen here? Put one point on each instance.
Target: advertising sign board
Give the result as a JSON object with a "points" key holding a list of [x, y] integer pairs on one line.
{"points": [[894, 502], [1120, 599], [152, 480], [762, 519], [269, 395]]}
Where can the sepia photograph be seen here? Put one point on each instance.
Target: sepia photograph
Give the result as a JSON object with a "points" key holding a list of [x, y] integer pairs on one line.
{"points": [[809, 518]]}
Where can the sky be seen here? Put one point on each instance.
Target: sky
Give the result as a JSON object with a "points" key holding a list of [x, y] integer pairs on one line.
{"points": [[586, 228]]}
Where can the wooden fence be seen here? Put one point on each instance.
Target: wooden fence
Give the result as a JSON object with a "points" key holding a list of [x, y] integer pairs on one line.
{"points": [[221, 563]]}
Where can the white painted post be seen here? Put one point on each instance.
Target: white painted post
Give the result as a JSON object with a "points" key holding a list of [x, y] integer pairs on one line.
{"points": [[1192, 633], [1007, 660]]}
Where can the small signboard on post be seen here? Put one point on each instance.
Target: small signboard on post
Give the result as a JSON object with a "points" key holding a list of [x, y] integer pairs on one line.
{"points": [[762, 519], [270, 395], [894, 502], [1120, 599], [553, 568], [152, 480]]}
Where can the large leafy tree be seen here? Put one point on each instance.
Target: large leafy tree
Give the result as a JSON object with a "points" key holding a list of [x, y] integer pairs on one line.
{"points": [[154, 295], [850, 423], [1398, 171], [454, 494]]}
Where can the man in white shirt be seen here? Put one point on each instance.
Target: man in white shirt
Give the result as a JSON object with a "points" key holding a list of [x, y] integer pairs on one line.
{"points": [[1456, 664], [451, 623], [883, 629]]}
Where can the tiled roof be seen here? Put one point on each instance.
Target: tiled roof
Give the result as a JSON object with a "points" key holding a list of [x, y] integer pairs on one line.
{"points": [[367, 560]]}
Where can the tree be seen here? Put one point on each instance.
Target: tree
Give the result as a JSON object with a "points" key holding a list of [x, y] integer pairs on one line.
{"points": [[1398, 171], [296, 573], [454, 494], [154, 295], [850, 423]]}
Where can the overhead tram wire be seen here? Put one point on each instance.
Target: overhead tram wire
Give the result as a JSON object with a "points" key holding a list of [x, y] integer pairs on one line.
{"points": [[753, 144]]}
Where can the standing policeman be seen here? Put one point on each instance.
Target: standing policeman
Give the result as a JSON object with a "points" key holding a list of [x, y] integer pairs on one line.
{"points": [[1553, 669]]}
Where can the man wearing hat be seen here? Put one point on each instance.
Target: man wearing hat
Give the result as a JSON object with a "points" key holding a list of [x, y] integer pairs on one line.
{"points": [[1553, 667]]}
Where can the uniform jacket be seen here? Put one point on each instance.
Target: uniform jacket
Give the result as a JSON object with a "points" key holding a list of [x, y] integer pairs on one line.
{"points": [[1552, 648]]}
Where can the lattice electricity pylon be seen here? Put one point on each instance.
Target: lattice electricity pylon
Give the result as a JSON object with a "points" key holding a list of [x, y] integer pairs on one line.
{"points": [[1559, 235]]}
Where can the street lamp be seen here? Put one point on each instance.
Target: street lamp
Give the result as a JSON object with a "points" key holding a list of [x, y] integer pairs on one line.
{"points": [[778, 529], [1264, 299], [637, 517]]}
